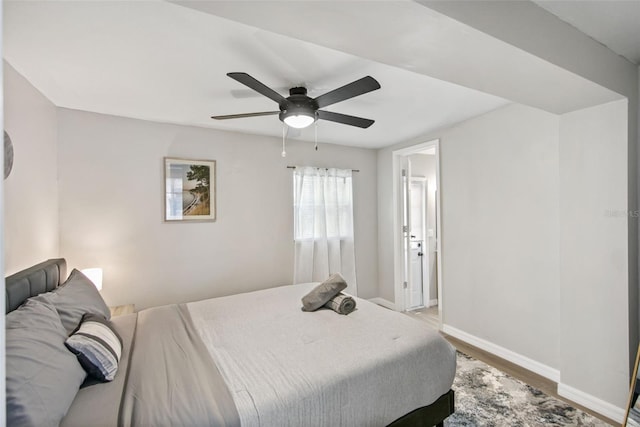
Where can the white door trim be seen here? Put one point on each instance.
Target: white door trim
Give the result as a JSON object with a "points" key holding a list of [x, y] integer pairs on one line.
{"points": [[439, 235]]}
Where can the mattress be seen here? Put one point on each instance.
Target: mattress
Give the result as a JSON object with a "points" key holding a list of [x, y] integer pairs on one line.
{"points": [[286, 367], [257, 359]]}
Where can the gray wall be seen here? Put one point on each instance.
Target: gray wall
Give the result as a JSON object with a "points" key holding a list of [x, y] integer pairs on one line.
{"points": [[31, 191], [111, 205], [593, 252], [500, 228], [525, 25], [534, 242]]}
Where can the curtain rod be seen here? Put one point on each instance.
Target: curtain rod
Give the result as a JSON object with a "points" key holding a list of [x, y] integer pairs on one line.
{"points": [[352, 170]]}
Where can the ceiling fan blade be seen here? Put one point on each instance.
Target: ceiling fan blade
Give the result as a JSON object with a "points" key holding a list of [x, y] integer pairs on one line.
{"points": [[240, 116], [254, 84], [353, 89], [250, 93], [345, 119]]}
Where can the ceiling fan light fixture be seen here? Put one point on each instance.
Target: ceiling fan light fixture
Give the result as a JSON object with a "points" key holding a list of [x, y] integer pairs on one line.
{"points": [[298, 119]]}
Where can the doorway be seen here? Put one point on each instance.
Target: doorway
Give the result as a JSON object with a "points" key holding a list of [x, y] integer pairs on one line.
{"points": [[417, 254], [418, 277]]}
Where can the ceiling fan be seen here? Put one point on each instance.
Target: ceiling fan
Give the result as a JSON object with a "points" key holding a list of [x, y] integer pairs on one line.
{"points": [[299, 110]]}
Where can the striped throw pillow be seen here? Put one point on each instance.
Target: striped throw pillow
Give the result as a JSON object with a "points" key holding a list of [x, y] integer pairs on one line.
{"points": [[97, 346]]}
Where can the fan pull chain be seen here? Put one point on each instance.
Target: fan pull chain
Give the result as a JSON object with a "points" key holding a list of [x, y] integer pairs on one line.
{"points": [[284, 150], [315, 127]]}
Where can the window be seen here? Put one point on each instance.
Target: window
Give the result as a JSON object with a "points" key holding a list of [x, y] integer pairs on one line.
{"points": [[323, 205], [323, 225]]}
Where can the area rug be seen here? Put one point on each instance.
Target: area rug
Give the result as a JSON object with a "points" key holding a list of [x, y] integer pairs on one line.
{"points": [[487, 397]]}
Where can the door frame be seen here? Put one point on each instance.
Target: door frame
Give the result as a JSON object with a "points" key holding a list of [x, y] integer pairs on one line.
{"points": [[399, 291]]}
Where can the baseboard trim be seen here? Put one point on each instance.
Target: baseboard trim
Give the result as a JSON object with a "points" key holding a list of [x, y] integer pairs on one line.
{"points": [[596, 404], [383, 302], [432, 302], [511, 356]]}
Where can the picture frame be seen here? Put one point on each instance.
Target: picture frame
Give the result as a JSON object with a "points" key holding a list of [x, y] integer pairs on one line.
{"points": [[189, 190]]}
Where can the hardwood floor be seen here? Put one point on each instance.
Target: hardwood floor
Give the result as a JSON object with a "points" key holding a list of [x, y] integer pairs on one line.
{"points": [[431, 318], [427, 315]]}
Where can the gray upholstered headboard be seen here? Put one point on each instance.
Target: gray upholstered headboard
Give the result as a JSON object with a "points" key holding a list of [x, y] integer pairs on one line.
{"points": [[34, 280]]}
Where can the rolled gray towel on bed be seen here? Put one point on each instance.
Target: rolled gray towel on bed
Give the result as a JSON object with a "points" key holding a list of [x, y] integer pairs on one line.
{"points": [[323, 292], [341, 304]]}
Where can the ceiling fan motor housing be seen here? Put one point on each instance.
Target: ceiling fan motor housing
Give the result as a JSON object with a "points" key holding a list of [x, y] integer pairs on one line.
{"points": [[298, 104]]}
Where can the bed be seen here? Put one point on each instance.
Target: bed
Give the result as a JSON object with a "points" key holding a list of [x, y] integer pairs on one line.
{"points": [[252, 359]]}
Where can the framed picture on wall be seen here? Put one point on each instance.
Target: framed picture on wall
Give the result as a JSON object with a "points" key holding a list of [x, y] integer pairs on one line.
{"points": [[189, 190]]}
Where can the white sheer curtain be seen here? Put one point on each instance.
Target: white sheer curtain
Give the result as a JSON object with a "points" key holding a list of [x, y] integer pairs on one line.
{"points": [[323, 225]]}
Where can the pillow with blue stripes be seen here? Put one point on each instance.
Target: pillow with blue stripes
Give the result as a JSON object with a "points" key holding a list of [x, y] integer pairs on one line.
{"points": [[97, 346]]}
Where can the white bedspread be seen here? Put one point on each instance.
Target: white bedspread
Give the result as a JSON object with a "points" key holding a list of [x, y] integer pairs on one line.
{"points": [[286, 367]]}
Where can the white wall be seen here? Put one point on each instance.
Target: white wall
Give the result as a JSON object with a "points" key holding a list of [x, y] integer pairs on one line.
{"points": [[111, 201], [386, 274], [500, 225], [525, 25], [500, 259], [534, 242], [593, 252], [31, 191]]}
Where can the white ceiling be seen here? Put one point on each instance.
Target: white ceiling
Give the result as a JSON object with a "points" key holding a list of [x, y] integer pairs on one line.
{"points": [[160, 61], [424, 37], [166, 61], [614, 23]]}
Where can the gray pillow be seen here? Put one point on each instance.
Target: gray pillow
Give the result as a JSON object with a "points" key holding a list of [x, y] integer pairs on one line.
{"points": [[43, 377], [323, 292], [74, 298]]}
